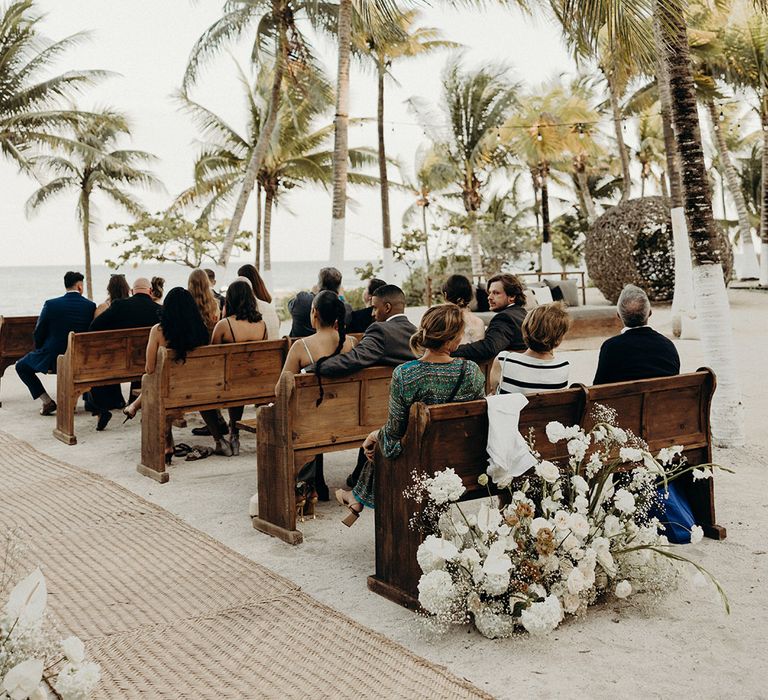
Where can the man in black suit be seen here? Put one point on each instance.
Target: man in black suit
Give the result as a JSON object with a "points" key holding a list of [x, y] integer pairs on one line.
{"points": [[301, 305], [137, 311], [71, 312], [507, 298], [386, 342], [638, 352], [362, 318]]}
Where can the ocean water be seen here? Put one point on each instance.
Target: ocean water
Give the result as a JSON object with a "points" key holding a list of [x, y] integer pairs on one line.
{"points": [[23, 289]]}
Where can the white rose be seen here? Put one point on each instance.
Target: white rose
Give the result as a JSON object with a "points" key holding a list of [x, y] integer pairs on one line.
{"points": [[576, 582], [697, 534], [579, 483], [23, 679], [74, 649], [581, 504], [542, 618], [624, 501], [432, 554], [445, 486], [555, 431], [578, 525], [562, 519], [623, 589], [548, 471], [538, 524], [630, 454]]}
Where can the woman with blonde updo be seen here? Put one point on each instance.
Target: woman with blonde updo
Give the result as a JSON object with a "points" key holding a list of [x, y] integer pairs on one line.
{"points": [[435, 377], [458, 290], [199, 286]]}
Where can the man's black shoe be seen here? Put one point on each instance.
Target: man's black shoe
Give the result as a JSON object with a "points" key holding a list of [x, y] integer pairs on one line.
{"points": [[202, 430], [104, 418]]}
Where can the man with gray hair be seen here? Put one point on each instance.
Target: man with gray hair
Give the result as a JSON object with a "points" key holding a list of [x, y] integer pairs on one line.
{"points": [[638, 352], [300, 306]]}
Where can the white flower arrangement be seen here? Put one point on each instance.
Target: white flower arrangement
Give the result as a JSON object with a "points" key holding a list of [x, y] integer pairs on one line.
{"points": [[28, 648], [560, 539]]}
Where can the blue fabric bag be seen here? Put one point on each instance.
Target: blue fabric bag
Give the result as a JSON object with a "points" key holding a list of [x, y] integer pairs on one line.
{"points": [[676, 517]]}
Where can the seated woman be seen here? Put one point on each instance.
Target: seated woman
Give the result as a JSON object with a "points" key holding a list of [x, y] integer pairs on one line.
{"points": [[458, 290], [157, 289], [536, 369], [435, 377], [263, 300], [242, 322], [328, 318], [181, 329], [199, 286], [117, 288]]}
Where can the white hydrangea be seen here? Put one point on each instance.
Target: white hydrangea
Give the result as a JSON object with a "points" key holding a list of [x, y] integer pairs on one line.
{"points": [[630, 454], [548, 471], [433, 552], [577, 447], [623, 589], [446, 486], [624, 501], [494, 625], [542, 618], [77, 681], [437, 592]]}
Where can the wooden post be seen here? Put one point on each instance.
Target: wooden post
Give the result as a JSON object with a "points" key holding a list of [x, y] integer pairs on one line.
{"points": [[66, 396], [153, 423]]}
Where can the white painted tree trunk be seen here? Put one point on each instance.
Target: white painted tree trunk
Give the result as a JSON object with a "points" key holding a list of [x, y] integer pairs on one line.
{"points": [[764, 265], [337, 242], [547, 259], [719, 354], [749, 267], [683, 311], [387, 266]]}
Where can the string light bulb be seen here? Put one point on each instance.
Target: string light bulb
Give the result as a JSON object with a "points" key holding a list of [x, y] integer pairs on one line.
{"points": [[539, 135], [722, 116]]}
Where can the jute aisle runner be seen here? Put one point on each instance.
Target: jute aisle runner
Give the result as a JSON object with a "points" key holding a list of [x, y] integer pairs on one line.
{"points": [[169, 612]]}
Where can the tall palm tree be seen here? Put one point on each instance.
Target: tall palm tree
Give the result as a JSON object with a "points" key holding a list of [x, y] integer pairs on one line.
{"points": [[297, 154], [30, 111], [650, 152], [745, 48], [95, 164], [384, 45], [475, 105]]}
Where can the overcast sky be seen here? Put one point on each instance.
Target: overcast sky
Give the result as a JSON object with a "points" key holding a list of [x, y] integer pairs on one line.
{"points": [[148, 42]]}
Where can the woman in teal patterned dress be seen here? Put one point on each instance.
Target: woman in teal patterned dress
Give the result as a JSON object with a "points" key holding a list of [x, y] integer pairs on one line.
{"points": [[435, 377]]}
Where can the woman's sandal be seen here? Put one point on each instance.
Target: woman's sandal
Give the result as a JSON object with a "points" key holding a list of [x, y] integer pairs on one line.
{"points": [[353, 515], [199, 452], [128, 415], [181, 450]]}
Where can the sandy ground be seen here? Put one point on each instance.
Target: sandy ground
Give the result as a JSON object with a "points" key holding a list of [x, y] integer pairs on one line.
{"points": [[681, 644]]}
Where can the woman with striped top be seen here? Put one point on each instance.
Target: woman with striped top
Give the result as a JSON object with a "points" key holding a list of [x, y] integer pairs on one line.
{"points": [[537, 369]]}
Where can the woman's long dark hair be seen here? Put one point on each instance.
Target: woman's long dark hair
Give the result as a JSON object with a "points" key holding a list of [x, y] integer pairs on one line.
{"points": [[117, 288], [259, 288], [332, 312], [182, 324], [241, 303]]}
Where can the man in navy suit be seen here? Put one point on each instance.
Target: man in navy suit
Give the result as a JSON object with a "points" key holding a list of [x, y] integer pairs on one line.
{"points": [[71, 312], [638, 352]]}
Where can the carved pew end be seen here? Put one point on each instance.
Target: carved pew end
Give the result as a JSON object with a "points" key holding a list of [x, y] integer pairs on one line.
{"points": [[393, 593], [160, 477], [66, 438]]}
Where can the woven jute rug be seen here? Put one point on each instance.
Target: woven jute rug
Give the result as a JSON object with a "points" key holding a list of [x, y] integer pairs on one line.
{"points": [[169, 612]]}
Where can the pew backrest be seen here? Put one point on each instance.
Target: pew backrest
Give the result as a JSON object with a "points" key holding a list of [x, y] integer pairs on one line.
{"points": [[16, 339]]}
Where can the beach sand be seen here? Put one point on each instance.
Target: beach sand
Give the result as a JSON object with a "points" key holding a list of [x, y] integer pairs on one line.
{"points": [[680, 644]]}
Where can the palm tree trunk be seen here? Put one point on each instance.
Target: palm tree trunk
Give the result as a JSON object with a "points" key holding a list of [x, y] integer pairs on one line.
{"points": [[474, 248], [427, 262], [269, 198], [85, 213], [731, 178], [262, 144], [626, 185], [386, 231], [642, 185], [709, 283], [585, 195], [257, 242], [536, 202], [547, 261], [340, 130], [764, 204]]}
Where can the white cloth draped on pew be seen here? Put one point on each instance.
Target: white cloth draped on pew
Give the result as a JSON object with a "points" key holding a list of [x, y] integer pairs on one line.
{"points": [[508, 452]]}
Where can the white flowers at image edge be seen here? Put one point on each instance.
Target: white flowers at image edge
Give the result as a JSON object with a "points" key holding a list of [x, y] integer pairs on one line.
{"points": [[548, 471], [77, 682], [624, 501], [445, 486], [576, 582], [433, 552], [623, 589], [697, 534], [630, 454], [437, 592], [27, 600], [23, 679], [74, 649], [541, 618]]}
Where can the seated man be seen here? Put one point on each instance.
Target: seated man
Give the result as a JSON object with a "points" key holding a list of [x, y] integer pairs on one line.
{"points": [[71, 312], [301, 305], [362, 318], [639, 352], [386, 342], [507, 298], [136, 311]]}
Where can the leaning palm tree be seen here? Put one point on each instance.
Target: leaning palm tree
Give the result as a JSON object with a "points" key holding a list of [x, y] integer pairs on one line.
{"points": [[297, 154], [94, 164], [384, 46], [650, 152], [30, 113], [475, 105]]}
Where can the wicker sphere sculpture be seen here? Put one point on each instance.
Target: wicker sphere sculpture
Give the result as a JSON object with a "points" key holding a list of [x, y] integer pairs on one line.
{"points": [[631, 243]]}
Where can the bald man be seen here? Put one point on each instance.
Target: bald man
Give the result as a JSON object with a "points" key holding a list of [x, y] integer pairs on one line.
{"points": [[136, 311]]}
